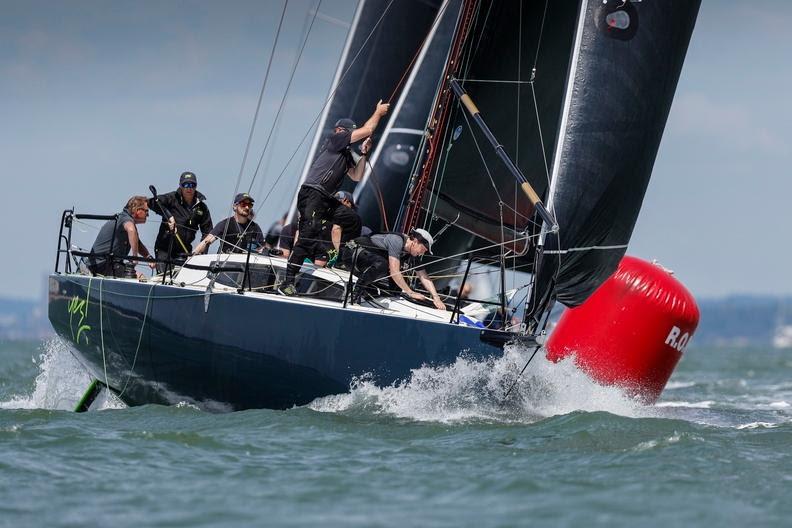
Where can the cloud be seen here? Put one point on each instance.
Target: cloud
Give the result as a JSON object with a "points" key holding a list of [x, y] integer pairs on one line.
{"points": [[734, 124]]}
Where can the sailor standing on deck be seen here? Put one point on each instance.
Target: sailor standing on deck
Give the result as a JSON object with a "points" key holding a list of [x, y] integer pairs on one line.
{"points": [[381, 256], [188, 213], [315, 200]]}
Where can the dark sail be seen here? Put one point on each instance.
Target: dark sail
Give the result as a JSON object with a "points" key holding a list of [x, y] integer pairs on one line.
{"points": [[382, 42], [512, 51], [380, 194], [628, 58]]}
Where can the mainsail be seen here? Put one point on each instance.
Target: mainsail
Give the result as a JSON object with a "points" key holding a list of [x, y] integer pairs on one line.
{"points": [[382, 41]]}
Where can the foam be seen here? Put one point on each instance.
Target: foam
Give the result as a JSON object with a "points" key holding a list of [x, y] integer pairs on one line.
{"points": [[60, 382], [474, 390]]}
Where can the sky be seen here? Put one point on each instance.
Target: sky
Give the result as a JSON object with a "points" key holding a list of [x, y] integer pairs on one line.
{"points": [[99, 99]]}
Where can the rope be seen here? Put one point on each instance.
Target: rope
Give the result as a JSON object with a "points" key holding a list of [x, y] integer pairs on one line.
{"points": [[379, 196], [417, 53], [140, 338], [316, 119], [101, 332], [481, 155]]}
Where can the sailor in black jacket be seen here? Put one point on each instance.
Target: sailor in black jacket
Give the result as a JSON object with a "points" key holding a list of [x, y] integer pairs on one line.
{"points": [[188, 213]]}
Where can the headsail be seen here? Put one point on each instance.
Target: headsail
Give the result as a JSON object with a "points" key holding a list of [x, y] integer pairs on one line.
{"points": [[627, 61]]}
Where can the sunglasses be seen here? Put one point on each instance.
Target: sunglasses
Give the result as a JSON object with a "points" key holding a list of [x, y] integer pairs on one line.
{"points": [[188, 185]]}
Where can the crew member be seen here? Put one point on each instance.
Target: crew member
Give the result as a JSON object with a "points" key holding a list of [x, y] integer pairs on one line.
{"points": [[237, 233], [121, 238], [315, 200], [286, 239], [185, 211], [381, 256], [273, 234], [346, 224]]}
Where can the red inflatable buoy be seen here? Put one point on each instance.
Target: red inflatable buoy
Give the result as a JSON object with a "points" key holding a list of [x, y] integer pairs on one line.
{"points": [[632, 331]]}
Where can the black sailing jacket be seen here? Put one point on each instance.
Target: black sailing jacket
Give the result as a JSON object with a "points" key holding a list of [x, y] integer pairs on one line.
{"points": [[189, 219]]}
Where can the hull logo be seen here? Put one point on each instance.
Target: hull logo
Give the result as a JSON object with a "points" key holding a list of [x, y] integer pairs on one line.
{"points": [[78, 308]]}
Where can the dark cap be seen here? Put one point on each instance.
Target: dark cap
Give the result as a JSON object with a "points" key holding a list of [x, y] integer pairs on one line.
{"points": [[242, 197], [345, 123], [345, 195], [188, 177]]}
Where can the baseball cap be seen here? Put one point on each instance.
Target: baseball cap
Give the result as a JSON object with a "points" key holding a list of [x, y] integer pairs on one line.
{"points": [[423, 236], [188, 177], [345, 195], [346, 123], [242, 197]]}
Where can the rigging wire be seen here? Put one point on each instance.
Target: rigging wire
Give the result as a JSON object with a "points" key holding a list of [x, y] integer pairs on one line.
{"points": [[285, 94], [260, 99], [517, 149], [329, 98], [277, 124]]}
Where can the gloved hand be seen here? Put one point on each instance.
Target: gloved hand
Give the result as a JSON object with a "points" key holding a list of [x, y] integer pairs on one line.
{"points": [[332, 255]]}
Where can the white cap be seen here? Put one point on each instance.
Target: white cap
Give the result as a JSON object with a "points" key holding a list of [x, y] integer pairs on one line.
{"points": [[424, 234]]}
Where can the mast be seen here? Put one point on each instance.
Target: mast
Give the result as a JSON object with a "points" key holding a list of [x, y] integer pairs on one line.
{"points": [[439, 117]]}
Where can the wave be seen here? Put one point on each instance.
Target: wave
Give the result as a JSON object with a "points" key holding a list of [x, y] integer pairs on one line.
{"points": [[59, 383], [475, 390]]}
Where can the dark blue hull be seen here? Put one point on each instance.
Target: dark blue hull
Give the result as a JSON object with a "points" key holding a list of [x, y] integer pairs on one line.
{"points": [[157, 344]]}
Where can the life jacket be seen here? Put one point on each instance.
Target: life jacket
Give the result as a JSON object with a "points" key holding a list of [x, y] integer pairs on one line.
{"points": [[366, 243]]}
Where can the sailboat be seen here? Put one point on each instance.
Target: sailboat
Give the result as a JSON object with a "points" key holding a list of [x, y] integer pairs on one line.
{"points": [[524, 138]]}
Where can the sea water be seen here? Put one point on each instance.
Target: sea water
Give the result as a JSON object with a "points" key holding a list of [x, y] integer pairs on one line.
{"points": [[441, 448]]}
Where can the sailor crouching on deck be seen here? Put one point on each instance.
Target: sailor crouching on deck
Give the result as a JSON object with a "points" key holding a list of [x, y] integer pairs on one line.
{"points": [[381, 256], [346, 222], [189, 213], [315, 200], [120, 236], [237, 233]]}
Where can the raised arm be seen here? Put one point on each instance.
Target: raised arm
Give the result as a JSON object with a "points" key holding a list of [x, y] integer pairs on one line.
{"points": [[370, 126]]}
